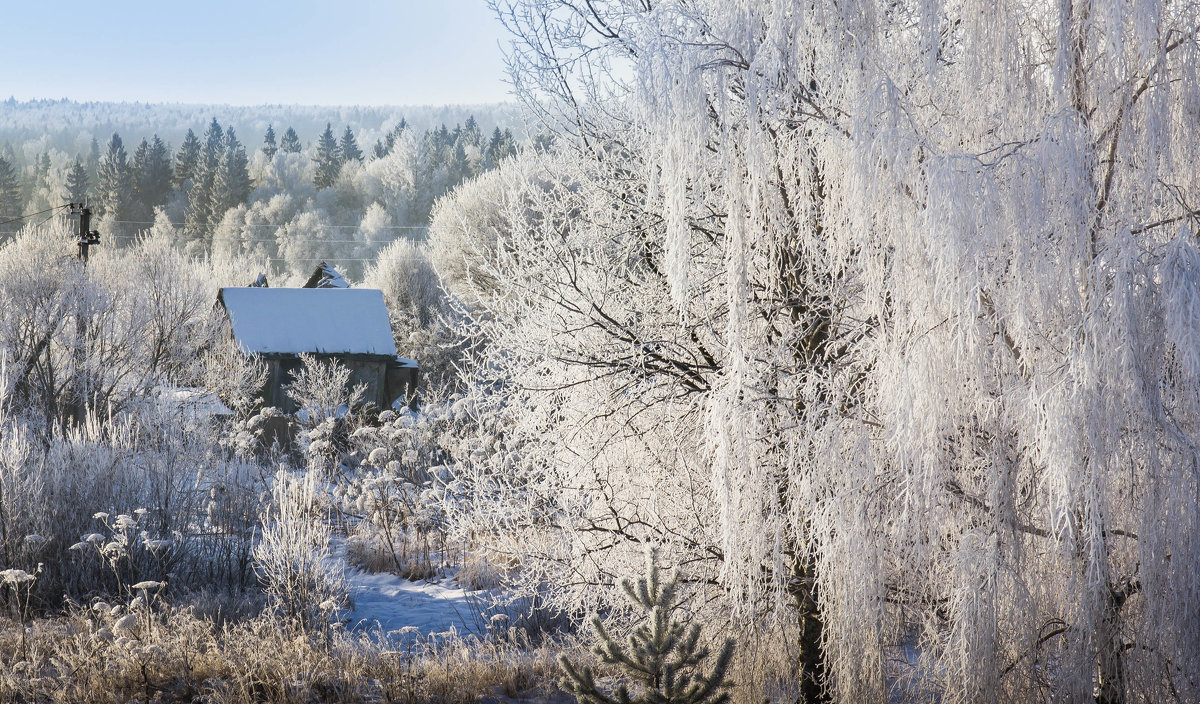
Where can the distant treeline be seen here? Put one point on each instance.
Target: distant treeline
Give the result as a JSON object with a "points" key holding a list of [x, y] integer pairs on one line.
{"points": [[251, 199]]}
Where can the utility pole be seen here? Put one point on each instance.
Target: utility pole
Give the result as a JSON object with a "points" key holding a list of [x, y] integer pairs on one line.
{"points": [[87, 237]]}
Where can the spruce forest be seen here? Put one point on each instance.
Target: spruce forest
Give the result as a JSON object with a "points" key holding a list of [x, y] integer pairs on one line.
{"points": [[785, 351]]}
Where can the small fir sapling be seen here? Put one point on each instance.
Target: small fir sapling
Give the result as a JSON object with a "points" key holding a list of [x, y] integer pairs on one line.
{"points": [[662, 655]]}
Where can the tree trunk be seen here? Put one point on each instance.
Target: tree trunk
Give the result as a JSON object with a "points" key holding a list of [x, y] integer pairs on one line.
{"points": [[811, 668]]}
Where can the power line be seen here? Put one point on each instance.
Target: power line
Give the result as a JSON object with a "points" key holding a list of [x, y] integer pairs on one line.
{"points": [[46, 219], [18, 218], [274, 241], [276, 227]]}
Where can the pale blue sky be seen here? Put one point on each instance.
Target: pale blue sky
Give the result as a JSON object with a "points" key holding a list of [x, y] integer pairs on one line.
{"points": [[312, 52]]}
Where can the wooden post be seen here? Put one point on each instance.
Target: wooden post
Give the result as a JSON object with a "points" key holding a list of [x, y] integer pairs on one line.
{"points": [[87, 236]]}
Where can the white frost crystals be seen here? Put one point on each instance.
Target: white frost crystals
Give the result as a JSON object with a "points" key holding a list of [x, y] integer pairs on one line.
{"points": [[15, 576], [930, 348]]}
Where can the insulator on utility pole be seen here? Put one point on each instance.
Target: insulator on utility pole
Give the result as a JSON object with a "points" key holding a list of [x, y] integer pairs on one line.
{"points": [[87, 236]]}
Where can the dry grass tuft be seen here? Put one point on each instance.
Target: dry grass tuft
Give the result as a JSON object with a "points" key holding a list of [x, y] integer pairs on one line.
{"points": [[92, 656]]}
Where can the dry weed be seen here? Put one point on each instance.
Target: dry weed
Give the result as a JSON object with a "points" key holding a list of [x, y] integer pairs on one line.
{"points": [[100, 655]]}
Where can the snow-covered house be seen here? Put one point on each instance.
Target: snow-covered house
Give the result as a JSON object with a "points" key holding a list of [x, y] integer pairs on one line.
{"points": [[349, 325]]}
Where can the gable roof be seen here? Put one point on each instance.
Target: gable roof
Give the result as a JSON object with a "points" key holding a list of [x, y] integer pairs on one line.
{"points": [[315, 320], [326, 276]]}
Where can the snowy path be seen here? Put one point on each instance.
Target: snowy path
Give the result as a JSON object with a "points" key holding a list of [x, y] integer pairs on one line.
{"points": [[390, 603]]}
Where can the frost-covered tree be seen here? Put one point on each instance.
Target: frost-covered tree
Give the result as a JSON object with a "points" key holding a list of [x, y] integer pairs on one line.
{"points": [[202, 198], [348, 147], [269, 146], [187, 159], [290, 143], [154, 179], [390, 180], [11, 205], [420, 313], [77, 183], [42, 192], [328, 159], [306, 240], [180, 317], [943, 262], [114, 183]]}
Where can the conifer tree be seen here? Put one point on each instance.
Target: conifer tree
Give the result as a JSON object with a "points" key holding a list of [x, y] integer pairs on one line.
{"points": [[201, 199], [93, 160], [42, 192], [41, 169], [662, 655], [139, 210], [493, 144], [349, 147], [214, 143], [501, 145], [269, 147], [290, 144], [114, 181], [140, 154], [10, 155], [187, 160], [238, 165], [10, 196], [231, 183], [383, 147], [329, 159], [156, 180], [471, 133], [459, 168], [77, 183]]}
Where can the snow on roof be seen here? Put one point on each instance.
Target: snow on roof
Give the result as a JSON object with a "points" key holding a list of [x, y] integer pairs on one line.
{"points": [[326, 276], [316, 320]]}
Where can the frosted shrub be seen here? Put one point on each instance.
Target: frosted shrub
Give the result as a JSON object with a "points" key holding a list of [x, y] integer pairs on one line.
{"points": [[235, 376], [293, 557], [233, 502], [52, 310], [119, 548], [321, 387], [178, 294], [419, 310], [61, 502], [396, 492]]}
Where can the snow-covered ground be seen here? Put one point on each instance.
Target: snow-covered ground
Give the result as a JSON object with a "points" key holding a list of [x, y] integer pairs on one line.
{"points": [[386, 603]]}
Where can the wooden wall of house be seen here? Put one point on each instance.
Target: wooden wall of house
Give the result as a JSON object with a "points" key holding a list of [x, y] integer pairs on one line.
{"points": [[372, 373], [401, 381]]}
